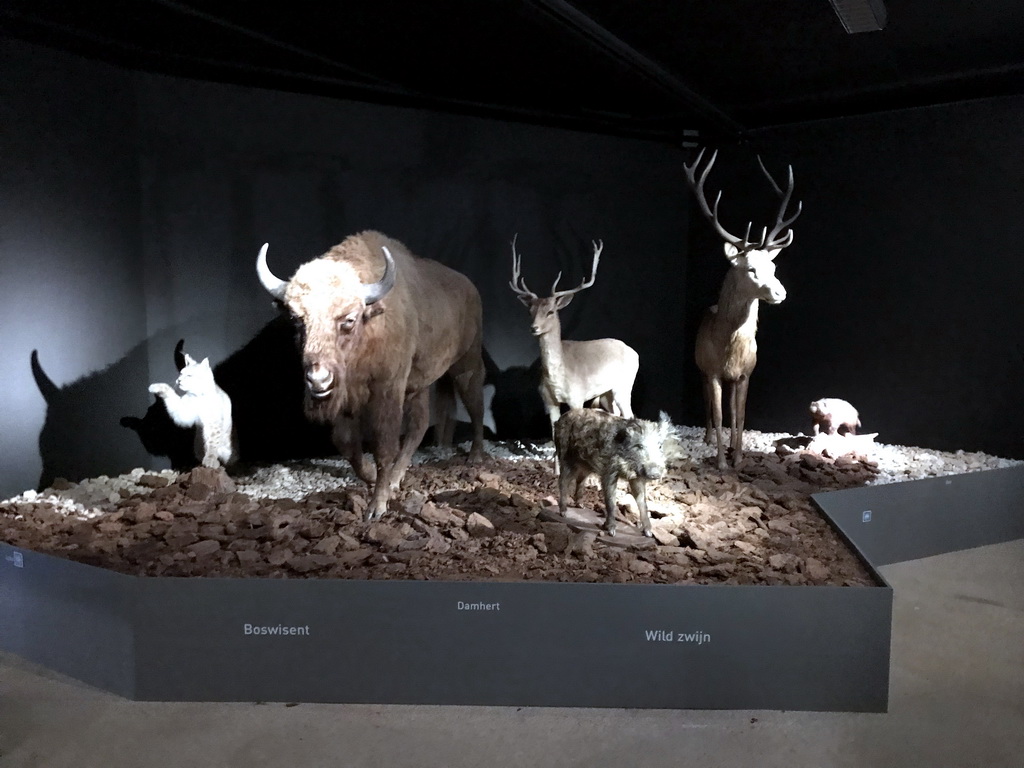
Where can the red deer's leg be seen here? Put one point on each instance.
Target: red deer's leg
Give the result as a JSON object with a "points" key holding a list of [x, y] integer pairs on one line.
{"points": [[715, 397], [739, 412], [709, 412]]}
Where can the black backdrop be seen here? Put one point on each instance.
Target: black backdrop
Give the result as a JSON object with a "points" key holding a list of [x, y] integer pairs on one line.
{"points": [[134, 205]]}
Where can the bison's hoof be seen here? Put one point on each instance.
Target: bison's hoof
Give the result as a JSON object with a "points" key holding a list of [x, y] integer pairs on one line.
{"points": [[477, 456], [372, 514], [648, 533], [610, 529]]}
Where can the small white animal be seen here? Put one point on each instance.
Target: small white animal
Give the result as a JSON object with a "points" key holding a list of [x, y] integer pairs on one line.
{"points": [[202, 405], [831, 413]]}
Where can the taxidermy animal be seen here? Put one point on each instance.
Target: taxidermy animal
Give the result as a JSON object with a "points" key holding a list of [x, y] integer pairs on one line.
{"points": [[202, 405], [726, 348], [833, 414], [377, 326], [593, 442], [576, 372]]}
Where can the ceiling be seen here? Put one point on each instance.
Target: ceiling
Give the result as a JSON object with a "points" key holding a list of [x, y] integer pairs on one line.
{"points": [[651, 69]]}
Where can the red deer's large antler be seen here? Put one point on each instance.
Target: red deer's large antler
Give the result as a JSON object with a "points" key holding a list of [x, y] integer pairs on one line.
{"points": [[769, 240]]}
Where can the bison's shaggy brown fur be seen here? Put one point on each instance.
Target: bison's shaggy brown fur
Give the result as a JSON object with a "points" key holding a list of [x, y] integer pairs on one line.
{"points": [[369, 364]]}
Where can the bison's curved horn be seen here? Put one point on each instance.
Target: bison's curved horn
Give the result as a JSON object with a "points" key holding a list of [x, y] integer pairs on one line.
{"points": [[374, 292], [47, 388], [275, 286]]}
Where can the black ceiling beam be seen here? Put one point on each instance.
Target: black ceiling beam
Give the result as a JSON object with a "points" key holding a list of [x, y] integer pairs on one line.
{"points": [[599, 37]]}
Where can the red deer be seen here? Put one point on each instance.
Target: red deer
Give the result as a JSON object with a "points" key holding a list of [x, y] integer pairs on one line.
{"points": [[377, 327], [726, 349], [576, 372]]}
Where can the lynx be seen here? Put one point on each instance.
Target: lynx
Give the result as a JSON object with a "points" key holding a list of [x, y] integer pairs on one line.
{"points": [[202, 405]]}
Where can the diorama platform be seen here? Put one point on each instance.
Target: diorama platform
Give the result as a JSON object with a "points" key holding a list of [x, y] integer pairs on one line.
{"points": [[542, 644]]}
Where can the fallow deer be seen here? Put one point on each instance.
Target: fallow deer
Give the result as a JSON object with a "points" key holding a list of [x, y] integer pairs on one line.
{"points": [[576, 372], [726, 349]]}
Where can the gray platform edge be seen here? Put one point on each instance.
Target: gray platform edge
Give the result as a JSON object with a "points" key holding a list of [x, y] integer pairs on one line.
{"points": [[897, 522], [549, 644]]}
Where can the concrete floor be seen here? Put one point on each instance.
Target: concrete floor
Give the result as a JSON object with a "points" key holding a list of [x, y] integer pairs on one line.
{"points": [[957, 700]]}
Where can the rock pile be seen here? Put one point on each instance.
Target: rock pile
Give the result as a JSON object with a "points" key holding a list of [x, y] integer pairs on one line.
{"points": [[452, 521]]}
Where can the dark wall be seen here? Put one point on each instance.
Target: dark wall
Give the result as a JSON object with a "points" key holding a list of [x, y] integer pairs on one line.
{"points": [[136, 205], [905, 280], [69, 267]]}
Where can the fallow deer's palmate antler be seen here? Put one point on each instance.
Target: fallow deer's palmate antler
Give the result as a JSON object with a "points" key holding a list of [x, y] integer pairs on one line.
{"points": [[575, 372]]}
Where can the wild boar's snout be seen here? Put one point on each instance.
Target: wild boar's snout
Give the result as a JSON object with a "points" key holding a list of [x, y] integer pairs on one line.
{"points": [[652, 472]]}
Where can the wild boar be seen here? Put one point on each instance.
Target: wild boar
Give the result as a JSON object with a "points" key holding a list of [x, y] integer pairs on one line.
{"points": [[594, 442]]}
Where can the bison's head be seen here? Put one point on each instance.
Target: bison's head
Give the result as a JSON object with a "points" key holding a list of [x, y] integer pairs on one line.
{"points": [[330, 306]]}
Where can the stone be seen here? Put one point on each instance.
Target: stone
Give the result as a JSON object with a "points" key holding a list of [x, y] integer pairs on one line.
{"points": [[214, 478], [815, 569], [413, 503], [489, 478], [328, 545], [782, 527], [675, 572], [581, 543], [442, 516], [204, 548], [383, 534], [642, 567], [198, 491], [664, 537], [153, 481], [479, 526]]}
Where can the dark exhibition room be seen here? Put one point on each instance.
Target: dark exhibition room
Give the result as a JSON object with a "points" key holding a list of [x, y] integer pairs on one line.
{"points": [[303, 462]]}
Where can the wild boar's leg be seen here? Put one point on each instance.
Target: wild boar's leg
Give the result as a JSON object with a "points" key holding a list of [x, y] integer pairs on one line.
{"points": [[564, 478], [639, 490], [608, 484], [417, 409]]}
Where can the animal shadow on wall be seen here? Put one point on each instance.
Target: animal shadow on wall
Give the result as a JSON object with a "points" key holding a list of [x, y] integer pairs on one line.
{"points": [[79, 437], [265, 384]]}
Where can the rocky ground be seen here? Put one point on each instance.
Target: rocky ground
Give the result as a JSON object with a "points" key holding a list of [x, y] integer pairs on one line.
{"points": [[495, 521]]}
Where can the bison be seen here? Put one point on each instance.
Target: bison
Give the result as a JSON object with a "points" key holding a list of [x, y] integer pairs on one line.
{"points": [[377, 326]]}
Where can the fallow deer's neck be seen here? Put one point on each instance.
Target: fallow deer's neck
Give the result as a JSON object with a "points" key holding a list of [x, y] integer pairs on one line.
{"points": [[551, 349]]}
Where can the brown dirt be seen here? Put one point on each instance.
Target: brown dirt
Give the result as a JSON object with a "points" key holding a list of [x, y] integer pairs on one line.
{"points": [[454, 521]]}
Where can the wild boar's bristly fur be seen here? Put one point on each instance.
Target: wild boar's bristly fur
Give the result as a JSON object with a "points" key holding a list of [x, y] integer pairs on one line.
{"points": [[589, 441], [371, 349]]}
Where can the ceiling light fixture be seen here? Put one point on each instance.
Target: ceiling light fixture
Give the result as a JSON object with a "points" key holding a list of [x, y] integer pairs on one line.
{"points": [[861, 15]]}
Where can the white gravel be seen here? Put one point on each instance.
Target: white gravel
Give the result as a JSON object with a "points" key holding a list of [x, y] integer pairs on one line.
{"points": [[896, 463]]}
